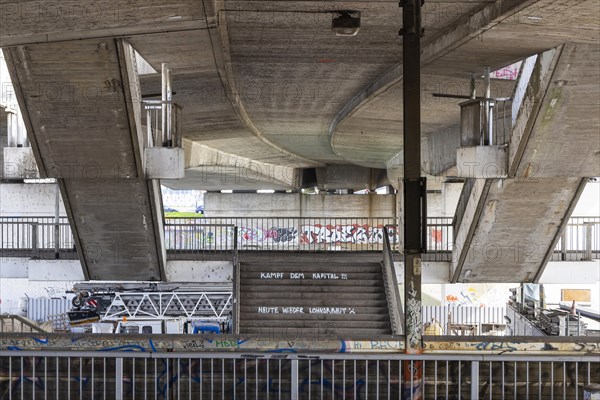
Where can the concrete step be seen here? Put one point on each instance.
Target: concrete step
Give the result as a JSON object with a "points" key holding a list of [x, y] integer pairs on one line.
{"points": [[311, 282], [332, 276], [342, 297], [311, 289], [323, 295], [312, 267], [329, 332], [361, 315], [331, 302], [385, 325]]}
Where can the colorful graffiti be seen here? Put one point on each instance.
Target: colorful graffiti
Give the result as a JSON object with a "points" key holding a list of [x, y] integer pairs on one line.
{"points": [[355, 234], [273, 235], [482, 295], [291, 237]]}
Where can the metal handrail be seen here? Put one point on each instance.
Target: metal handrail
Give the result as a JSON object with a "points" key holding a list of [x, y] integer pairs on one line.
{"points": [[290, 375], [161, 133], [236, 284], [579, 241], [392, 291], [23, 322]]}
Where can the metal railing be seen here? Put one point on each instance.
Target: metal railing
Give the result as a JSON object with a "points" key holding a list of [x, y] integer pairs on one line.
{"points": [[206, 375], [392, 292], [484, 320], [236, 287], [37, 236], [487, 121], [440, 238], [163, 123], [285, 233], [191, 238], [18, 324], [499, 120], [580, 241]]}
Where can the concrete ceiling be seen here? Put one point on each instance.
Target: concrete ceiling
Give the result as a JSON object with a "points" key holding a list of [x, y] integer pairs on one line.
{"points": [[269, 81]]}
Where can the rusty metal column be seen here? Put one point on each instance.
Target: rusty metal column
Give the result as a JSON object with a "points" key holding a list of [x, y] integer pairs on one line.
{"points": [[414, 193]]}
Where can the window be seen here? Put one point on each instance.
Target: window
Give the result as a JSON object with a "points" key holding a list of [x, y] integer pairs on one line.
{"points": [[147, 329]]}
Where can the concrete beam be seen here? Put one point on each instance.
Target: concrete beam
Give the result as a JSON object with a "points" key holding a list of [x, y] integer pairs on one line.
{"points": [[354, 177], [466, 228], [561, 136], [510, 228], [225, 65], [115, 213], [32, 21], [298, 205], [211, 169], [468, 27]]}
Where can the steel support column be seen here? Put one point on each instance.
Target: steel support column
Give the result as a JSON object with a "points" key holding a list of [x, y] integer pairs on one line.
{"points": [[414, 192]]}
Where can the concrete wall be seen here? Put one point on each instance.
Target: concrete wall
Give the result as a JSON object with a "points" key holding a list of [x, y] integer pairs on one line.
{"points": [[439, 150], [21, 277], [451, 193], [435, 204], [23, 199], [200, 271], [14, 292], [298, 205]]}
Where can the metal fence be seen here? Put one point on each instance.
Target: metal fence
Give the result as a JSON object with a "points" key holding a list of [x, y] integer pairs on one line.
{"points": [[35, 233], [18, 324], [483, 320], [580, 241], [118, 375], [282, 233], [189, 238]]}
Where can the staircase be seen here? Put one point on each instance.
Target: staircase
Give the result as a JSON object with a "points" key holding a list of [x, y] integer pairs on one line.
{"points": [[303, 299]]}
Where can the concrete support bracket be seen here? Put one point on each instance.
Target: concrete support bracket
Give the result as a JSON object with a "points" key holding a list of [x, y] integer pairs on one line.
{"points": [[164, 163], [482, 161]]}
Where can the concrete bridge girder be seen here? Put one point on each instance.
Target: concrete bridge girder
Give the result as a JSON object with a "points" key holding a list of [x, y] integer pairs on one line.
{"points": [[85, 130]]}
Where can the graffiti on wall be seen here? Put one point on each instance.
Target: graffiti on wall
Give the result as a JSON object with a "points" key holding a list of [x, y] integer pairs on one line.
{"points": [[222, 237], [354, 233], [482, 295]]}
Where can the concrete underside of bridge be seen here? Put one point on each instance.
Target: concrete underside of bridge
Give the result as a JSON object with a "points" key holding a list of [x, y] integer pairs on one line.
{"points": [[270, 96], [273, 84]]}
